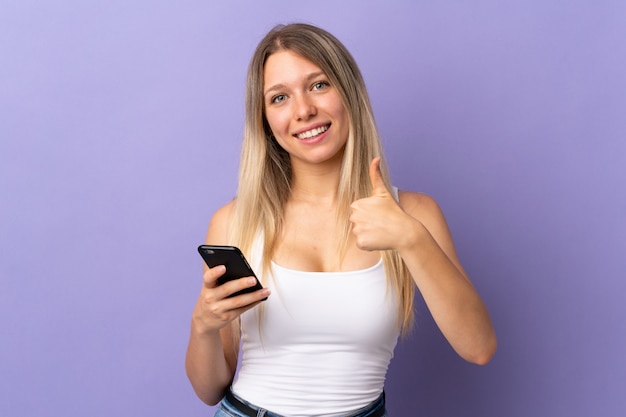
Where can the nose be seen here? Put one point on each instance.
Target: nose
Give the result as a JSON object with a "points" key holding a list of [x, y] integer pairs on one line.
{"points": [[304, 107]]}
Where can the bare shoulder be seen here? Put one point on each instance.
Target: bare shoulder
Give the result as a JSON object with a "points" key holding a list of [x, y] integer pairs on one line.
{"points": [[426, 210], [421, 206], [219, 225]]}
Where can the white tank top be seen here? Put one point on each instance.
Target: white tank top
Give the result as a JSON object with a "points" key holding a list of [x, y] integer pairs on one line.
{"points": [[324, 342]]}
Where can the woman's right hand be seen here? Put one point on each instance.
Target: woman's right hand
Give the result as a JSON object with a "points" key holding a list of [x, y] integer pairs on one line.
{"points": [[214, 310]]}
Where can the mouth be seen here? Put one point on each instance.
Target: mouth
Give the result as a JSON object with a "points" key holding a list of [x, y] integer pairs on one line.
{"points": [[308, 134]]}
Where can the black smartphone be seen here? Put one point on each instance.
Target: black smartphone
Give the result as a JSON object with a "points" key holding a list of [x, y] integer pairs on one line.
{"points": [[236, 265]]}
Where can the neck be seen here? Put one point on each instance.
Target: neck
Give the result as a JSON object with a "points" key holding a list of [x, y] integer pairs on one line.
{"points": [[317, 183]]}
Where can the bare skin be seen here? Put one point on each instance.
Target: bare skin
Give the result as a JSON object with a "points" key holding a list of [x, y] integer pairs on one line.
{"points": [[211, 358], [417, 229], [299, 99]]}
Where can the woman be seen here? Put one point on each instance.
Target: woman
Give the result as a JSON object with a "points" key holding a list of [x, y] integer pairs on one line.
{"points": [[339, 250]]}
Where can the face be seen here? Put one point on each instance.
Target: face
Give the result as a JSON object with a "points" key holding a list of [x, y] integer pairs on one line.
{"points": [[304, 111]]}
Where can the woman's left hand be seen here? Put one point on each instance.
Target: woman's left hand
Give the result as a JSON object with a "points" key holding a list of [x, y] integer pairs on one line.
{"points": [[378, 221]]}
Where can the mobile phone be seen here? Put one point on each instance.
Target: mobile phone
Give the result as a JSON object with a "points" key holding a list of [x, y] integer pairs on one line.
{"points": [[236, 265]]}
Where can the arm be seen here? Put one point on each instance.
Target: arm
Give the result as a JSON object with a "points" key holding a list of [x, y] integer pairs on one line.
{"points": [[428, 251], [211, 358], [417, 230]]}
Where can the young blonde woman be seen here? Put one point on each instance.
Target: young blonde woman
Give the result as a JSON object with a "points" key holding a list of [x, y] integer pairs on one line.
{"points": [[338, 249]]}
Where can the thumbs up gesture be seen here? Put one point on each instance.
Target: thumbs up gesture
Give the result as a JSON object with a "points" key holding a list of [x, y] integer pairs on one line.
{"points": [[378, 221]]}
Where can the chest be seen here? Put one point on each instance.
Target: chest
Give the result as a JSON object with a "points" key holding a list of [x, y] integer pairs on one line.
{"points": [[312, 240], [350, 309]]}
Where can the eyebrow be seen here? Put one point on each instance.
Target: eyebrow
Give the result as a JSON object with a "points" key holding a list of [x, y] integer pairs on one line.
{"points": [[278, 87]]}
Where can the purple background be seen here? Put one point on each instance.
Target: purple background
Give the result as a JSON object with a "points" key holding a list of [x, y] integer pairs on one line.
{"points": [[120, 126]]}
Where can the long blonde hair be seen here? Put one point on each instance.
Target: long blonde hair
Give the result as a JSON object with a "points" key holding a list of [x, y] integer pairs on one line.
{"points": [[265, 171]]}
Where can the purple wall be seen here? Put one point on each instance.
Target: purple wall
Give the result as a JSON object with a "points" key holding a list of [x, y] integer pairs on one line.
{"points": [[119, 136]]}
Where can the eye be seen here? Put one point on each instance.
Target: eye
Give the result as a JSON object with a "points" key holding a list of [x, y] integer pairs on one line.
{"points": [[320, 85], [279, 98]]}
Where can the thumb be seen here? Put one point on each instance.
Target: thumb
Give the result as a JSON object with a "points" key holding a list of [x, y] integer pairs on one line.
{"points": [[378, 185]]}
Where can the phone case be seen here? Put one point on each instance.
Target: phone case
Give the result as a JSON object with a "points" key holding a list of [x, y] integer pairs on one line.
{"points": [[236, 265]]}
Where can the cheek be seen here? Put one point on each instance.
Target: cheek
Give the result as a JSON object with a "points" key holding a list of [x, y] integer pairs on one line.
{"points": [[335, 105], [277, 122], [277, 129], [342, 115]]}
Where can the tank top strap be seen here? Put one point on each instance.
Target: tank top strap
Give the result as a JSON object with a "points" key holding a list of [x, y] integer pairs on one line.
{"points": [[394, 193]]}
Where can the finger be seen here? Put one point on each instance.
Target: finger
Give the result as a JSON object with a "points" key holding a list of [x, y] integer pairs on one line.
{"points": [[247, 299], [222, 311], [224, 294], [234, 306], [376, 177], [212, 274], [239, 311], [231, 287]]}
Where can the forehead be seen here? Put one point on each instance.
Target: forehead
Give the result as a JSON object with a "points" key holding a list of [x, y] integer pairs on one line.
{"points": [[286, 67]]}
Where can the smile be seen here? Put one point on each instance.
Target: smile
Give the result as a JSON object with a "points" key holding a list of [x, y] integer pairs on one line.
{"points": [[313, 132]]}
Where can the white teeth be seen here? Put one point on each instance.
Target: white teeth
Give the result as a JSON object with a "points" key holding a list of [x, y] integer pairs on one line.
{"points": [[313, 132]]}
